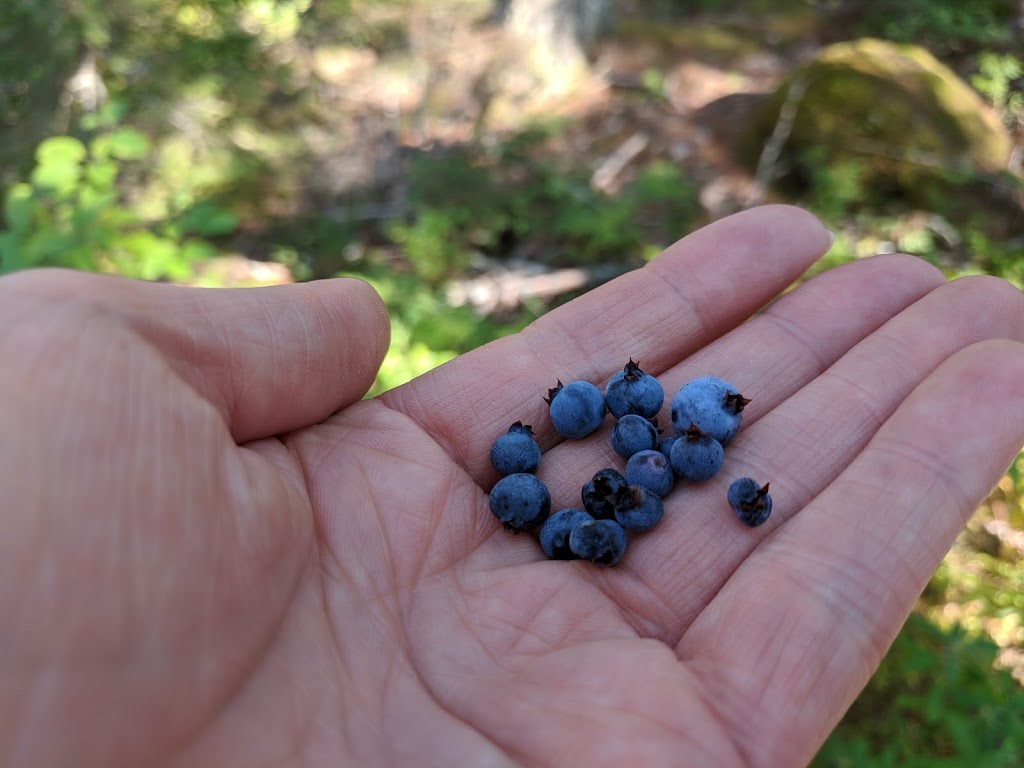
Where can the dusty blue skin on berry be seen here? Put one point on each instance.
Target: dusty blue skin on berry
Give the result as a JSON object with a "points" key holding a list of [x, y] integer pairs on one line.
{"points": [[516, 451], [576, 408], [633, 391], [750, 501], [696, 456], [602, 542], [521, 501], [632, 434], [639, 509], [665, 446], [554, 534], [652, 470], [712, 404], [600, 493]]}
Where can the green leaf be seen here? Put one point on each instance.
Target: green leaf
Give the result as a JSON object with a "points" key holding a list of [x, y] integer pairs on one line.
{"points": [[10, 252], [102, 174], [19, 208], [59, 175], [207, 220], [128, 144], [60, 150], [148, 256]]}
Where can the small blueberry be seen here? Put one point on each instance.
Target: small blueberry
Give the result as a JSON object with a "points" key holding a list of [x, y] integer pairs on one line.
{"points": [[601, 541], [520, 501], [554, 534], [633, 391], [712, 404], [750, 501], [639, 509], [576, 408], [652, 470], [516, 451], [632, 434]]}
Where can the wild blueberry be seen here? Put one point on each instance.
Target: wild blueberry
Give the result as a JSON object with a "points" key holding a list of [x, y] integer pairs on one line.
{"points": [[665, 446], [600, 493], [521, 501], [750, 501], [600, 541], [696, 456], [632, 434], [633, 391], [652, 470], [516, 451], [712, 404], [554, 534], [639, 509], [576, 408]]}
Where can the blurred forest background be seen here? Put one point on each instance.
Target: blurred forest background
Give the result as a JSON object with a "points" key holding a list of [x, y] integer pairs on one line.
{"points": [[480, 161]]}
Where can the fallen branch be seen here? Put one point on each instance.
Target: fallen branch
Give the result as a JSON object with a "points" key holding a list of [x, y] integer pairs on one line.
{"points": [[772, 150]]}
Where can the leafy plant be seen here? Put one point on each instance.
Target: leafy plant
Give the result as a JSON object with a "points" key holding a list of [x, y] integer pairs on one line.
{"points": [[935, 701], [71, 213], [996, 73], [943, 27]]}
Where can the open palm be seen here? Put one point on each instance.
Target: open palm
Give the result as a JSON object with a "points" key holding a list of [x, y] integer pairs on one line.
{"points": [[213, 553]]}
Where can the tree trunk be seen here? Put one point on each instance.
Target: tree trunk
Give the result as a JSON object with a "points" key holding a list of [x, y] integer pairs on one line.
{"points": [[560, 33]]}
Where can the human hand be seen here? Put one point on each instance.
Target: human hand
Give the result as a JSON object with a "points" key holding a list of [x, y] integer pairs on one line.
{"points": [[213, 553]]}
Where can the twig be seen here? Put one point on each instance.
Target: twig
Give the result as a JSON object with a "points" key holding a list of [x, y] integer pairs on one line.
{"points": [[610, 168], [769, 158]]}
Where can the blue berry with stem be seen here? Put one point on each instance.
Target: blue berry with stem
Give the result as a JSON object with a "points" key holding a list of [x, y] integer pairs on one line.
{"points": [[554, 534], [633, 391], [750, 501], [599, 494], [712, 404], [516, 451], [600, 541], [651, 470], [639, 509], [632, 434], [520, 501], [696, 456], [576, 408]]}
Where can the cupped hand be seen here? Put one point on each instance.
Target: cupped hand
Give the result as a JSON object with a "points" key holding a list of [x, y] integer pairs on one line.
{"points": [[214, 553]]}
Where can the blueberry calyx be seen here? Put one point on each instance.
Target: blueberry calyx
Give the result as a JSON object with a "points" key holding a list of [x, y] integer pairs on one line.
{"points": [[554, 391], [632, 371], [735, 402], [755, 504], [692, 433]]}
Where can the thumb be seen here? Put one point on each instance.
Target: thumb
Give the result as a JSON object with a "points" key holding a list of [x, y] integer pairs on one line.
{"points": [[269, 359]]}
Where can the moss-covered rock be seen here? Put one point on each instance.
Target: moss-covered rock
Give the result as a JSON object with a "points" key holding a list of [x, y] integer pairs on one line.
{"points": [[894, 109]]}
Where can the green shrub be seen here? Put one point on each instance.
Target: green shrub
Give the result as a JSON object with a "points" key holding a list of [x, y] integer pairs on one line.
{"points": [[71, 213], [935, 701], [944, 27]]}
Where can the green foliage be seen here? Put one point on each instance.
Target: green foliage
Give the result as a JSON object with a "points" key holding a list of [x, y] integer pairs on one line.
{"points": [[948, 26], [993, 257], [935, 701], [463, 202], [432, 244], [425, 330], [996, 72], [833, 188], [71, 213]]}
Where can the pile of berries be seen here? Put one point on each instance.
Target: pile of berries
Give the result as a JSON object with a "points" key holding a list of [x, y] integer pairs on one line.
{"points": [[705, 414]]}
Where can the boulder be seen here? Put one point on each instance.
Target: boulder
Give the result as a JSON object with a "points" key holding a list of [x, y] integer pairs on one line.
{"points": [[894, 109]]}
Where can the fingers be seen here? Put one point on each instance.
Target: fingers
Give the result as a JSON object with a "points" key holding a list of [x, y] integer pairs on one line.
{"points": [[805, 441], [697, 290], [270, 359], [798, 629], [779, 351]]}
